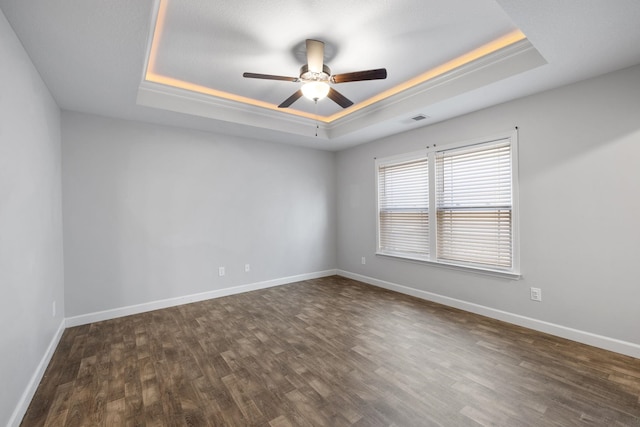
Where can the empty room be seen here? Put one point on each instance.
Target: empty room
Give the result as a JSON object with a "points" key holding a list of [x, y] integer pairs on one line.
{"points": [[304, 213]]}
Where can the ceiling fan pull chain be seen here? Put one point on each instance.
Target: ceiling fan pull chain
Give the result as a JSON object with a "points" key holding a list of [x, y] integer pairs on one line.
{"points": [[317, 124]]}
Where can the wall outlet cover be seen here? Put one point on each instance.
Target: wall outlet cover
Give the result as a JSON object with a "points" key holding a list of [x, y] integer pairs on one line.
{"points": [[536, 294]]}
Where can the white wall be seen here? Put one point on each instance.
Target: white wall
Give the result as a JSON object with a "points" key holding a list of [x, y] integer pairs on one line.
{"points": [[151, 212], [580, 208], [31, 267]]}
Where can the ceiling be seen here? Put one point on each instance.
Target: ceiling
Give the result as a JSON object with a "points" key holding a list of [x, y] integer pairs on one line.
{"points": [[180, 62]]}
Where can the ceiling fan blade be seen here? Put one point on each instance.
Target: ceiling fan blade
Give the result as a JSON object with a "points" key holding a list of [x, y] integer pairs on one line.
{"points": [[290, 100], [377, 74], [270, 77], [315, 55], [339, 98]]}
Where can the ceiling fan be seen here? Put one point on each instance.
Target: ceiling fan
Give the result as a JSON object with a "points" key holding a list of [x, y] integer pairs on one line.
{"points": [[316, 78]]}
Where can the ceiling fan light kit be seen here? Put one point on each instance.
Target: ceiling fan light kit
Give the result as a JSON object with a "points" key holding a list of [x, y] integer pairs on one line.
{"points": [[316, 85], [316, 78], [315, 91]]}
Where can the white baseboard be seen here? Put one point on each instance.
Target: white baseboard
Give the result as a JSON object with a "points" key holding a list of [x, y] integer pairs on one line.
{"points": [[99, 316], [611, 344], [25, 399]]}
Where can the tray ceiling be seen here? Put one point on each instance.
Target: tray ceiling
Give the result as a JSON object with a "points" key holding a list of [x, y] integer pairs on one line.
{"points": [[199, 50], [180, 62]]}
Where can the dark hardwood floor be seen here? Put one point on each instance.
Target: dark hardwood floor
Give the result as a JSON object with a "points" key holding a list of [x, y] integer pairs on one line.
{"points": [[328, 352]]}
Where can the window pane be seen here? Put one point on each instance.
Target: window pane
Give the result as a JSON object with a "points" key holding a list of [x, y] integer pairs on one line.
{"points": [[404, 233], [476, 237], [403, 200], [474, 205]]}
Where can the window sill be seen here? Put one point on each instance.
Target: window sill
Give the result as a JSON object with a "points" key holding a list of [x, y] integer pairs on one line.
{"points": [[468, 269]]}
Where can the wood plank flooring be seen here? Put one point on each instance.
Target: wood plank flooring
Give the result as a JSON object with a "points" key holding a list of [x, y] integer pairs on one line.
{"points": [[328, 352]]}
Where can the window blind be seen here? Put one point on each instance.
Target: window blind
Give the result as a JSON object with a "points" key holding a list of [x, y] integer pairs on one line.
{"points": [[403, 203], [474, 205]]}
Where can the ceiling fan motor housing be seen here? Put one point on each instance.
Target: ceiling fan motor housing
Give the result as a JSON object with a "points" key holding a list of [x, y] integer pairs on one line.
{"points": [[310, 76]]}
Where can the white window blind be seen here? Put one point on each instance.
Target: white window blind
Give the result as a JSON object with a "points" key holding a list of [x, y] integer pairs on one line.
{"points": [[474, 205], [453, 205], [403, 208]]}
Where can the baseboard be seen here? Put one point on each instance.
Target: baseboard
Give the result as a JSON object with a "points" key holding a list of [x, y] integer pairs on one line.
{"points": [[606, 343], [25, 399], [99, 316]]}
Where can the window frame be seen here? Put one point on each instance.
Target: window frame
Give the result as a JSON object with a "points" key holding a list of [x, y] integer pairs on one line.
{"points": [[431, 153]]}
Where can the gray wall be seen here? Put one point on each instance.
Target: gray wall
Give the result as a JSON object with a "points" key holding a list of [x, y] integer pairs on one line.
{"points": [[31, 273], [151, 212], [579, 207]]}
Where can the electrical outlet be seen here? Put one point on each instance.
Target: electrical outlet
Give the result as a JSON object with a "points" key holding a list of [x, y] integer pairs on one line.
{"points": [[247, 268], [220, 271], [536, 294], [364, 261]]}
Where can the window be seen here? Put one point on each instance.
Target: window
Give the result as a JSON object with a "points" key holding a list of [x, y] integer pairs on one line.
{"points": [[454, 205], [403, 189]]}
